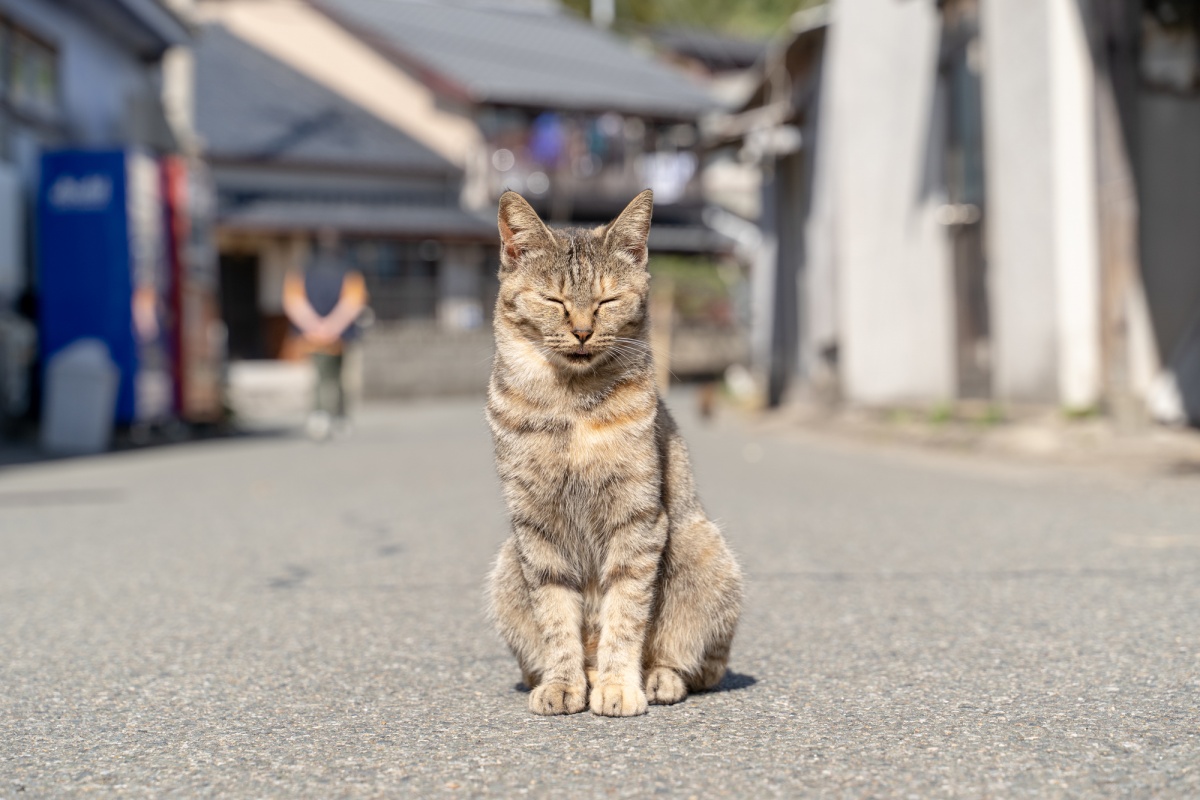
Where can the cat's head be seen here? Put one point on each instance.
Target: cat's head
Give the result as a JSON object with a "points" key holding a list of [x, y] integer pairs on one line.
{"points": [[579, 296]]}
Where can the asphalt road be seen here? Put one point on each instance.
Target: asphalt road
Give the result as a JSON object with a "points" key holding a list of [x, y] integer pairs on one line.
{"points": [[269, 617]]}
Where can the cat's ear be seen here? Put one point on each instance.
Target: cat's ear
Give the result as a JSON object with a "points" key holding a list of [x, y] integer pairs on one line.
{"points": [[521, 231], [626, 235]]}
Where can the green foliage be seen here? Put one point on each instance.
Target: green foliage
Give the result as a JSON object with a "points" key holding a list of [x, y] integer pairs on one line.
{"points": [[701, 289], [746, 17], [1081, 413], [941, 414], [992, 415]]}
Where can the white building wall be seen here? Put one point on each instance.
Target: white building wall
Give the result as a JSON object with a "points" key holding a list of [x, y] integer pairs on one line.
{"points": [[1023, 291], [1076, 212], [893, 271], [1042, 215]]}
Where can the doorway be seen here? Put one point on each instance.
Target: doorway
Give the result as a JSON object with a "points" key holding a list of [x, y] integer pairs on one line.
{"points": [[240, 306], [964, 212]]}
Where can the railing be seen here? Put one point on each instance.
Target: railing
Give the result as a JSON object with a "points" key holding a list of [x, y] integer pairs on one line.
{"points": [[577, 162]]}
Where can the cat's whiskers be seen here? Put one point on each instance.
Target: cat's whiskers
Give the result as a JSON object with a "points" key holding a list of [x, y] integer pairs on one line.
{"points": [[647, 349]]}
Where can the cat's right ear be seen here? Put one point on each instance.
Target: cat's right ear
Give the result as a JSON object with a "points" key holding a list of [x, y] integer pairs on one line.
{"points": [[522, 231]]}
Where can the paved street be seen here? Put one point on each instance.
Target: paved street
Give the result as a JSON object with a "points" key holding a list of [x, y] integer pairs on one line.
{"points": [[265, 616]]}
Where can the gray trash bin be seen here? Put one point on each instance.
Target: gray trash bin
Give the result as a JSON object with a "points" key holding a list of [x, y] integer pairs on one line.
{"points": [[80, 398]]}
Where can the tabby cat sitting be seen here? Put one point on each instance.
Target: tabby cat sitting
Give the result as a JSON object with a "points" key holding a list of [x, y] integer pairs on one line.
{"points": [[615, 589]]}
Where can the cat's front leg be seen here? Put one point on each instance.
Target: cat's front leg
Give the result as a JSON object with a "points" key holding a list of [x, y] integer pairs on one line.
{"points": [[563, 689], [557, 605], [628, 587]]}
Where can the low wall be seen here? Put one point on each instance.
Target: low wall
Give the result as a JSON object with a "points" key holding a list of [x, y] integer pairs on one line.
{"points": [[419, 360]]}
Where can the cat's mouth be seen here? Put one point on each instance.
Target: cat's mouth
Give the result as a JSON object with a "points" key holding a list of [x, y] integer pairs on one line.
{"points": [[579, 355]]}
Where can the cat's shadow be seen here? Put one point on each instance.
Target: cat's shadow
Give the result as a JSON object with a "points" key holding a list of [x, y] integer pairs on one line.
{"points": [[732, 682]]}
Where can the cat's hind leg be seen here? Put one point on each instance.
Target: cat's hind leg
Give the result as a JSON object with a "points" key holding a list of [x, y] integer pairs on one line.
{"points": [[547, 647], [695, 614], [511, 611]]}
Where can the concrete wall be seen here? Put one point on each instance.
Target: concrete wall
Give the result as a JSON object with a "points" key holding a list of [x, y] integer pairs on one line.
{"points": [[413, 359], [1039, 113], [420, 360], [893, 273], [1020, 219]]}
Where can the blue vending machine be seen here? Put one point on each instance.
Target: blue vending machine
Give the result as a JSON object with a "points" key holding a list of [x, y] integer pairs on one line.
{"points": [[102, 269]]}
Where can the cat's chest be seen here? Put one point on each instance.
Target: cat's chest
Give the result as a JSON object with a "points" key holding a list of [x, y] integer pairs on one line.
{"points": [[581, 444], [598, 442]]}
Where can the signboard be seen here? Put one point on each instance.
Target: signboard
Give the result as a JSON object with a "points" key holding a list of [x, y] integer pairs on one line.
{"points": [[101, 268]]}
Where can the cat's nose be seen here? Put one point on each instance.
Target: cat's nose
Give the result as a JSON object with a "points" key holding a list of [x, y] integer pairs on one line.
{"points": [[582, 334]]}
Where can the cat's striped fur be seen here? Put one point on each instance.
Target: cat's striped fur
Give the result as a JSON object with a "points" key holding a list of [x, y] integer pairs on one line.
{"points": [[614, 588]]}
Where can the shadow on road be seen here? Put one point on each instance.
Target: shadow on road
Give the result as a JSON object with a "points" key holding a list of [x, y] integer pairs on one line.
{"points": [[732, 682], [26, 451]]}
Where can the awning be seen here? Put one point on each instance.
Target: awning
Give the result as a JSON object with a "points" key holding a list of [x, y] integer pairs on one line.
{"points": [[426, 222], [359, 219]]}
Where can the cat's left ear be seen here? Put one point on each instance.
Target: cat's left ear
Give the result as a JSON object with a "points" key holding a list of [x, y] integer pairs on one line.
{"points": [[626, 235], [521, 231]]}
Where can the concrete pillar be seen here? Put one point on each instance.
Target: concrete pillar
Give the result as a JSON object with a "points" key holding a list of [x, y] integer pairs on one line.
{"points": [[1076, 209], [894, 280], [1039, 116]]}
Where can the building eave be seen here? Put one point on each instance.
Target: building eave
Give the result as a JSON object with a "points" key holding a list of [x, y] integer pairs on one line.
{"points": [[147, 27]]}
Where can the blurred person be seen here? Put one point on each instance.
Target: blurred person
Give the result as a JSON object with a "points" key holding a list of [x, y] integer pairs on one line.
{"points": [[323, 304]]}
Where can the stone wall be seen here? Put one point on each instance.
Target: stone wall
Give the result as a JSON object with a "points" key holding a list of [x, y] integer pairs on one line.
{"points": [[420, 360]]}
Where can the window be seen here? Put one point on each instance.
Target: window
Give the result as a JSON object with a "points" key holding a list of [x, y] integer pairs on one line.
{"points": [[29, 70], [401, 277]]}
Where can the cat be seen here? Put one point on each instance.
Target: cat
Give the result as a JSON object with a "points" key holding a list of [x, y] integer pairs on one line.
{"points": [[613, 579]]}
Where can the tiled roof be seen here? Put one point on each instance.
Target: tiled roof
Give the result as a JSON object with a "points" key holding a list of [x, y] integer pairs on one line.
{"points": [[250, 106], [522, 53]]}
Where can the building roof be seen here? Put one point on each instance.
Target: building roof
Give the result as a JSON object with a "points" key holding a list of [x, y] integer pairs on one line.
{"points": [[251, 107], [718, 52], [533, 54]]}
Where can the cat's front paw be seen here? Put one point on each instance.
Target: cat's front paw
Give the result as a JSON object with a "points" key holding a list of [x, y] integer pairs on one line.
{"points": [[558, 698], [664, 686], [618, 700]]}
